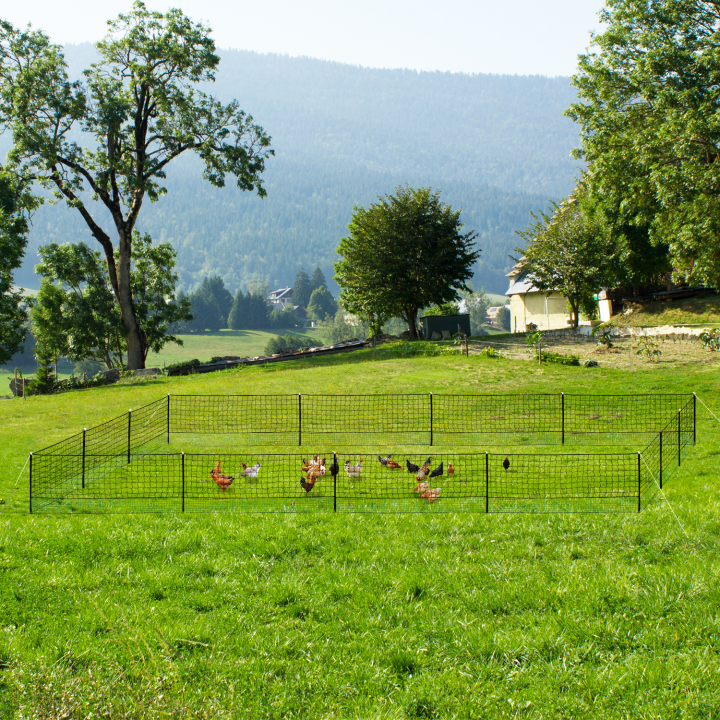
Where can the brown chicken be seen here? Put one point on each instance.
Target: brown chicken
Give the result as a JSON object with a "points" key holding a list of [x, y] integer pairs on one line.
{"points": [[432, 495], [392, 465], [222, 481]]}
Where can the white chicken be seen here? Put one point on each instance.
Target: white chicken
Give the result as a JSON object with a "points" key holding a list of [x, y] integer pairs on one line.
{"points": [[251, 472], [353, 471]]}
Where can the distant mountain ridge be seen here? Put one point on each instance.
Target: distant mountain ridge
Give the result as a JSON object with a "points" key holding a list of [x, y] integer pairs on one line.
{"points": [[497, 146]]}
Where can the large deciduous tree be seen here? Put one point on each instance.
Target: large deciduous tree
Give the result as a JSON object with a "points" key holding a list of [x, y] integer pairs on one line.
{"points": [[404, 253], [648, 109], [106, 142], [14, 202]]}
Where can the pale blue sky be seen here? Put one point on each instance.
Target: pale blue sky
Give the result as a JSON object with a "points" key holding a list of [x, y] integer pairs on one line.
{"points": [[512, 36]]}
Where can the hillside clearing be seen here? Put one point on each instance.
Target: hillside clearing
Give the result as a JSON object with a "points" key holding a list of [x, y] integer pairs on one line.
{"points": [[373, 616]]}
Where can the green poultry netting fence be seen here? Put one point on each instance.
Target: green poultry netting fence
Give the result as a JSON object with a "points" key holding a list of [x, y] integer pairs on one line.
{"points": [[208, 453]]}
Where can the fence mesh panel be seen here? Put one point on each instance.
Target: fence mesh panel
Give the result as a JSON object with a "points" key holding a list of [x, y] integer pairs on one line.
{"points": [[110, 467], [267, 482]]}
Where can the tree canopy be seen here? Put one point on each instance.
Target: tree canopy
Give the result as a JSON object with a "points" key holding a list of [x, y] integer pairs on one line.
{"points": [[568, 251], [139, 108], [648, 105], [302, 289], [404, 253], [322, 304], [14, 201], [76, 314]]}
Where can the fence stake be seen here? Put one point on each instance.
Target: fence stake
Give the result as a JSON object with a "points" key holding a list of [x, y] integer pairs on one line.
{"points": [[694, 418], [30, 481], [639, 484], [183, 481], [661, 463], [299, 419], [334, 483], [487, 483], [129, 426], [562, 395], [679, 437], [168, 420], [431, 419], [83, 461]]}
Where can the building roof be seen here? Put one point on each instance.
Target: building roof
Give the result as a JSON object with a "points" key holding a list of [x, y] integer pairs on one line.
{"points": [[521, 286], [281, 293]]}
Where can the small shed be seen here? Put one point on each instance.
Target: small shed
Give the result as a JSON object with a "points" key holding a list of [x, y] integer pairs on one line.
{"points": [[436, 327]]}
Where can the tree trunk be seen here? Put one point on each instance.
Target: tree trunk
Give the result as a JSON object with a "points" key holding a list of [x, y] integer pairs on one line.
{"points": [[410, 318], [135, 338], [575, 307]]}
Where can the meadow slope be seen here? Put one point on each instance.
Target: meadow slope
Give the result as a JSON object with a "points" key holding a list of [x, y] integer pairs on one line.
{"points": [[368, 616]]}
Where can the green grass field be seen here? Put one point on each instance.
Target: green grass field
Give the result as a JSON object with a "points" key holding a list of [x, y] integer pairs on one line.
{"points": [[355, 615]]}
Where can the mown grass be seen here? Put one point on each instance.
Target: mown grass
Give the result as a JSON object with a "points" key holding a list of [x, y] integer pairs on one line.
{"points": [[692, 311], [368, 616]]}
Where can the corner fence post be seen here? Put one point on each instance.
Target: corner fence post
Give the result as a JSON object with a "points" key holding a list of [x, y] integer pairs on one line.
{"points": [[431, 419], [487, 482], [661, 462], [83, 460], [30, 486], [183, 481], [335, 483], [694, 418], [562, 396], [679, 438], [299, 419], [129, 428], [168, 419], [639, 484]]}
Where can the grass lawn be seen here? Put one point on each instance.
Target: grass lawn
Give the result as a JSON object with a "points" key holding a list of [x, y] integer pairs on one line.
{"points": [[241, 343], [226, 615], [692, 311]]}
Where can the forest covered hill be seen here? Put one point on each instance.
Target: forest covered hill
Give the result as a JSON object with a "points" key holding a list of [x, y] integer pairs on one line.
{"points": [[497, 146]]}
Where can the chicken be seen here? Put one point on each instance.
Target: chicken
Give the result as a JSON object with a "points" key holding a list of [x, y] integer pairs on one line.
{"points": [[392, 465], [384, 460], [353, 471], [422, 488], [432, 495], [506, 464], [424, 470], [307, 485], [451, 469], [335, 467], [222, 481], [411, 467], [307, 465], [251, 472], [438, 471]]}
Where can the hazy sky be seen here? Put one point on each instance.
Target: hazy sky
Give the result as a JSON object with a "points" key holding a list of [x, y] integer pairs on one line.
{"points": [[484, 36]]}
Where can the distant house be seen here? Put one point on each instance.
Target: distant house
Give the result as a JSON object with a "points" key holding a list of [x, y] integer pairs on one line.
{"points": [[280, 299], [543, 310]]}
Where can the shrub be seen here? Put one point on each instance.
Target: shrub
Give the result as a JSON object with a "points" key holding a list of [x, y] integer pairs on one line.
{"points": [[449, 308], [503, 318], [711, 339], [282, 344], [649, 348]]}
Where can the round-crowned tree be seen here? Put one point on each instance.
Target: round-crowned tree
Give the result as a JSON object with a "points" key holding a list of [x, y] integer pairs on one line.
{"points": [[404, 253]]}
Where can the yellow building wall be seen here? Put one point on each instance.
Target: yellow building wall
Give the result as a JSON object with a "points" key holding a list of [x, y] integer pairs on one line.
{"points": [[532, 308]]}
